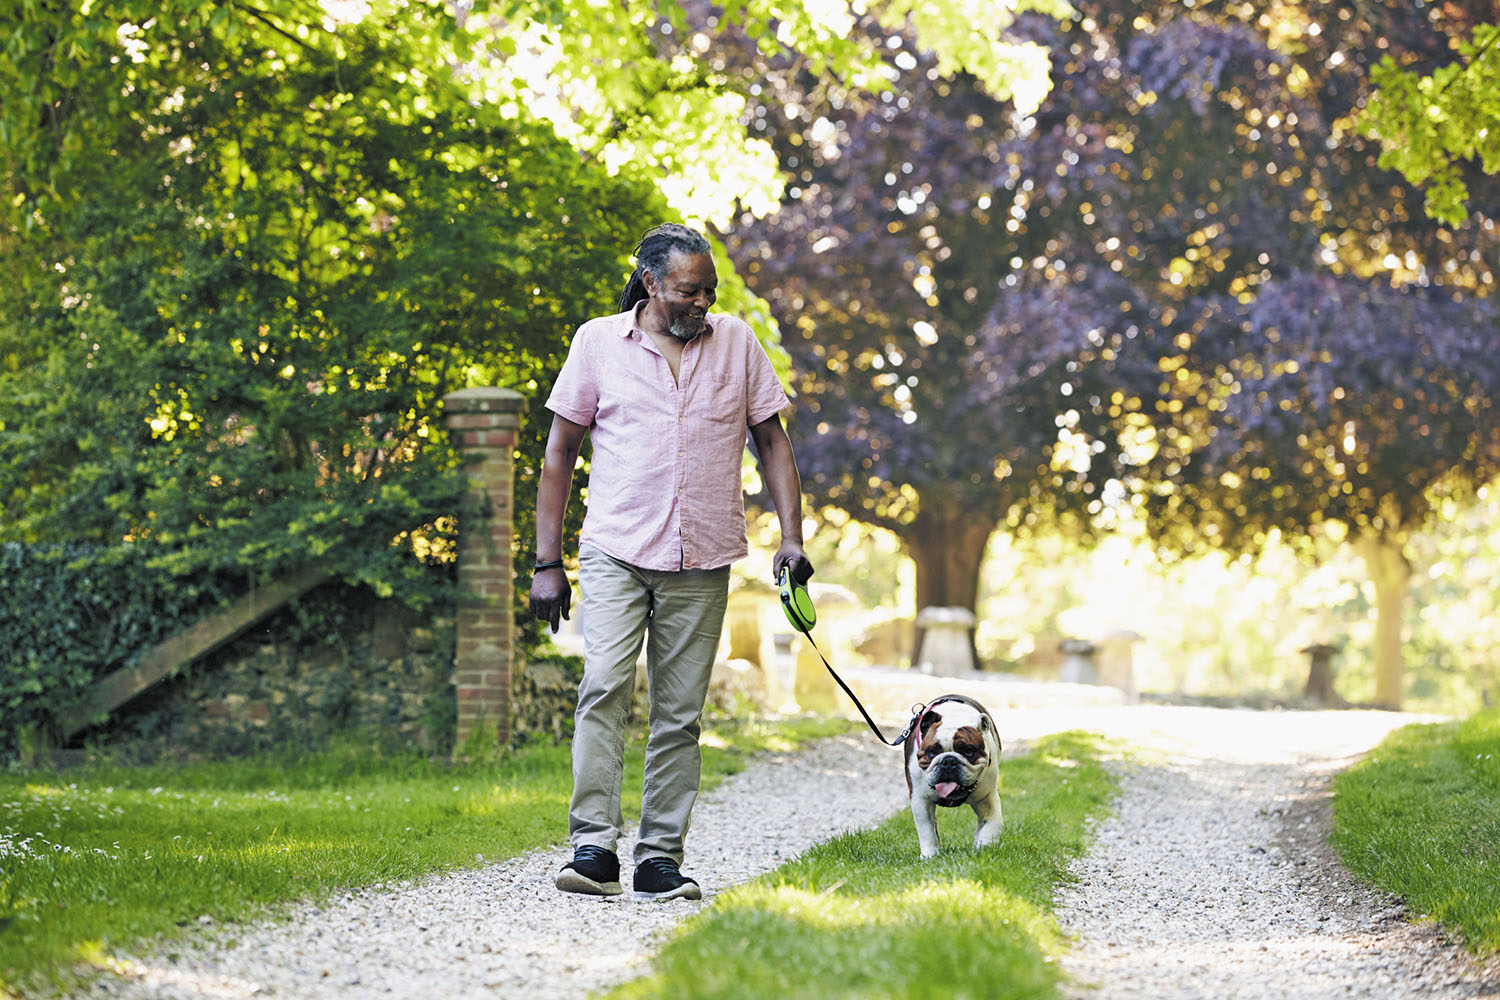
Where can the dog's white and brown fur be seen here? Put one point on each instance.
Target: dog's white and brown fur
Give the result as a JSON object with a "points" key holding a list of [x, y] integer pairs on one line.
{"points": [[951, 757]]}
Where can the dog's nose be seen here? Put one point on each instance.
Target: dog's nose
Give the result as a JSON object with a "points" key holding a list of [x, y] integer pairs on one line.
{"points": [[949, 764]]}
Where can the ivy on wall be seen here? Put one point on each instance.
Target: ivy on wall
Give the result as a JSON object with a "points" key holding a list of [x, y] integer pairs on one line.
{"points": [[74, 612]]}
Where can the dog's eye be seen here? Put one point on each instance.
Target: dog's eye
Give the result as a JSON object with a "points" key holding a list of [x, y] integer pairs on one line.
{"points": [[923, 759]]}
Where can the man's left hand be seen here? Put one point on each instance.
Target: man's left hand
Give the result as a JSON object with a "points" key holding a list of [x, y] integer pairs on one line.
{"points": [[791, 554]]}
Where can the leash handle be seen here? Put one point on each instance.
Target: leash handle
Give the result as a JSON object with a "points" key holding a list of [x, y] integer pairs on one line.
{"points": [[916, 712]]}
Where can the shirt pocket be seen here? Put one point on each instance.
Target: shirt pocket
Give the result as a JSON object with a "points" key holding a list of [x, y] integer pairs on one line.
{"points": [[719, 398]]}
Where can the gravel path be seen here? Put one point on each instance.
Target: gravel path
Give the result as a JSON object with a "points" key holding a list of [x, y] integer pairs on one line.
{"points": [[505, 931], [1214, 879], [1211, 880]]}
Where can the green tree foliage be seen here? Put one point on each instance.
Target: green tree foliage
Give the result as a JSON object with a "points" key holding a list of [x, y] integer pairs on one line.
{"points": [[642, 81], [251, 264], [255, 243], [253, 303], [670, 87], [1436, 126]]}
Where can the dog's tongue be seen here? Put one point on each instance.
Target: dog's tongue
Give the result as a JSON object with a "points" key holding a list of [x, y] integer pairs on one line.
{"points": [[945, 788]]}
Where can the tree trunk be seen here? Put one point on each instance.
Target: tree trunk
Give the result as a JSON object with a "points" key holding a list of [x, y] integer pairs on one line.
{"points": [[1320, 676], [1389, 569], [947, 544]]}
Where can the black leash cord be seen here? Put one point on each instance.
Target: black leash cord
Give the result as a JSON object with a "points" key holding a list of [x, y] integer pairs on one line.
{"points": [[868, 721]]}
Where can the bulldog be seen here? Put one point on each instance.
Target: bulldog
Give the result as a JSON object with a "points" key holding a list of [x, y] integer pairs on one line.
{"points": [[951, 756]]}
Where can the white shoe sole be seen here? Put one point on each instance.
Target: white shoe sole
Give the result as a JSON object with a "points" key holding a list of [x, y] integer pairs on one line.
{"points": [[570, 881], [687, 890]]}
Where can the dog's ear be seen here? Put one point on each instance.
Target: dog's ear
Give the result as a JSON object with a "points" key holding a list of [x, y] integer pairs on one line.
{"points": [[987, 724], [931, 721]]}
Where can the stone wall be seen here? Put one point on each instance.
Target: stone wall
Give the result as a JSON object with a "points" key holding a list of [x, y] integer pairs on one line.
{"points": [[378, 668], [544, 698], [282, 692], [387, 673]]}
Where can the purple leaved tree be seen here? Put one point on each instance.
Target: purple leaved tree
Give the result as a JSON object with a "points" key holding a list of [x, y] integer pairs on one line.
{"points": [[1344, 401], [993, 318], [1350, 386], [961, 289]]}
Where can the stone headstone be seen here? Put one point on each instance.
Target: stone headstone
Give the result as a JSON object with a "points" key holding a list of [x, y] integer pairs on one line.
{"points": [[1078, 666], [947, 647]]}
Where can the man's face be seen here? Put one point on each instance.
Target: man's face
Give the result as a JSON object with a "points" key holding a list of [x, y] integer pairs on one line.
{"points": [[682, 298]]}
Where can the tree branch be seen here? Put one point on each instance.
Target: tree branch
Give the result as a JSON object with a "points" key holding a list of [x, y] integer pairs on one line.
{"points": [[265, 18]]}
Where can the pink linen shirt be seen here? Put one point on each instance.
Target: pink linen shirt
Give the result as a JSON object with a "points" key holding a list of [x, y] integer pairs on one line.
{"points": [[664, 482]]}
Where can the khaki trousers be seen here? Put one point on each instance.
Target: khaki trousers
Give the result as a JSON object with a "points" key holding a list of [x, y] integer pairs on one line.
{"points": [[681, 614]]}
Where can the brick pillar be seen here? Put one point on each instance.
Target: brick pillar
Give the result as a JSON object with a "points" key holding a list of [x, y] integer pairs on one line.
{"points": [[484, 423]]}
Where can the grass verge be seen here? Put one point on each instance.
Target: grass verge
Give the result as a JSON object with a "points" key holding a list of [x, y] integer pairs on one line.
{"points": [[864, 915], [99, 859], [1420, 818]]}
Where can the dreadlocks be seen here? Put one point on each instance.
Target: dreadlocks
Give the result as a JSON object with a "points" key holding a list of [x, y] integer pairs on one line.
{"points": [[652, 254]]}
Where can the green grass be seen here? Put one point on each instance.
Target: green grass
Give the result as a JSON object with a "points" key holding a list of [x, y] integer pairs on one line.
{"points": [[98, 859], [864, 916], [1420, 818]]}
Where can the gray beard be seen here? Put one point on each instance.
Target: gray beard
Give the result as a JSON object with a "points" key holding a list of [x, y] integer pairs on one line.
{"points": [[679, 329]]}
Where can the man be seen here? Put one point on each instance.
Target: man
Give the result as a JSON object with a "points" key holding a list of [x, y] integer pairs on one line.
{"points": [[665, 391]]}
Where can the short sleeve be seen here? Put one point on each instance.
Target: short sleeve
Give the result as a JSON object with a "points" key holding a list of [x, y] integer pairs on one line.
{"points": [[764, 392], [575, 394]]}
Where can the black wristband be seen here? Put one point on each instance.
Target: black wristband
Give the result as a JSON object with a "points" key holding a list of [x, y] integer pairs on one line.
{"points": [[554, 564]]}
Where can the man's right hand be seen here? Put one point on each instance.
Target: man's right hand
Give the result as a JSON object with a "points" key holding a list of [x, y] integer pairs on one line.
{"points": [[551, 596]]}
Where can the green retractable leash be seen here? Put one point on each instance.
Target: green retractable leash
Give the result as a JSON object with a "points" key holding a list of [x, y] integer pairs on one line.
{"points": [[803, 616]]}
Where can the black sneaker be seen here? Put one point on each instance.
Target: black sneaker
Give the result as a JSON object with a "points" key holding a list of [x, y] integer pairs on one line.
{"points": [[593, 872], [658, 878]]}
